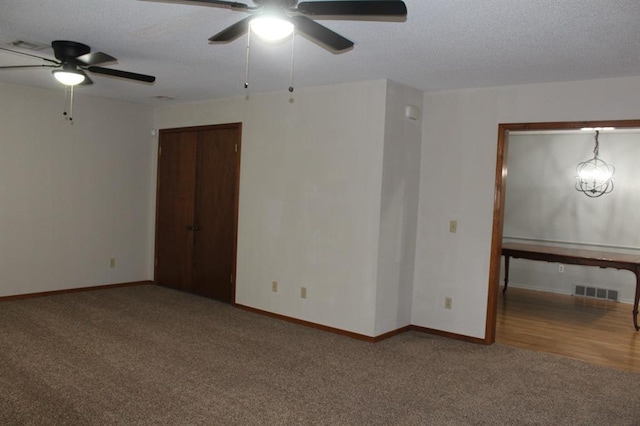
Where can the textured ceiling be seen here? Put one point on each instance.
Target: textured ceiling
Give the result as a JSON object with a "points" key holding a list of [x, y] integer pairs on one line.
{"points": [[444, 44]]}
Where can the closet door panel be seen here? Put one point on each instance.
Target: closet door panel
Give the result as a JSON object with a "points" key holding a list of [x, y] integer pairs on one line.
{"points": [[215, 213], [175, 209]]}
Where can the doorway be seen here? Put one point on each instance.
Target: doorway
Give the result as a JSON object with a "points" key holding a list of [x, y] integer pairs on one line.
{"points": [[500, 196], [197, 210]]}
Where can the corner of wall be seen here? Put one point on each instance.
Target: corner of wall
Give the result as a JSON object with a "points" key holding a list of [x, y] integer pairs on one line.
{"points": [[398, 207]]}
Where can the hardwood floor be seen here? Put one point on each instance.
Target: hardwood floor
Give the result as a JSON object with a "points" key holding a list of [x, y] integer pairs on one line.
{"points": [[595, 331]]}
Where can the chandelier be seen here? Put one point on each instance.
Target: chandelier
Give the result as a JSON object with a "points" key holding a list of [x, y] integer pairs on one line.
{"points": [[595, 176]]}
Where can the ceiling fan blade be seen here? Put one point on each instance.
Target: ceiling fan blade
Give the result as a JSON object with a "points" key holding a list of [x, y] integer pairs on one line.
{"points": [[95, 58], [354, 8], [122, 74], [321, 34], [30, 55], [8, 67], [87, 81], [232, 32], [226, 4]]}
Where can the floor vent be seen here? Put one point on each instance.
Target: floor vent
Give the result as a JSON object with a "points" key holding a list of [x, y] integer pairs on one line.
{"points": [[597, 293]]}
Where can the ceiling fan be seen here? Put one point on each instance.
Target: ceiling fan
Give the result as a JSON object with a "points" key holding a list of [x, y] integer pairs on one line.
{"points": [[72, 61], [287, 14]]}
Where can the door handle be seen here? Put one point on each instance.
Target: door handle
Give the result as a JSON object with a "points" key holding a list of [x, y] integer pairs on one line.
{"points": [[192, 227]]}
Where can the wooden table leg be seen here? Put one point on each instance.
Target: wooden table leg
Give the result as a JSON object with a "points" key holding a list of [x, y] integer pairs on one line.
{"points": [[506, 278]]}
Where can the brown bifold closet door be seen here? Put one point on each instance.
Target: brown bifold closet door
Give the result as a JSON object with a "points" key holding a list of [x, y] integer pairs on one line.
{"points": [[197, 210]]}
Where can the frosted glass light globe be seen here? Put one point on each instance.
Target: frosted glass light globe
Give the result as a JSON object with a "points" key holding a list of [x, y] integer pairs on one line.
{"points": [[68, 78], [270, 28]]}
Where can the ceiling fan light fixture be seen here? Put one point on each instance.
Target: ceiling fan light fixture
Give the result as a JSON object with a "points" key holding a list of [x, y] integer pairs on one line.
{"points": [[68, 77], [271, 28]]}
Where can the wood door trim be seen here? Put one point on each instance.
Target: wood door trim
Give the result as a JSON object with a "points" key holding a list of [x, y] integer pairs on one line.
{"points": [[499, 198], [201, 128], [236, 212]]}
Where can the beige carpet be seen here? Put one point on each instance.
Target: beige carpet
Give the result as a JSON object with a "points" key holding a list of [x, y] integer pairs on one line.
{"points": [[149, 355]]}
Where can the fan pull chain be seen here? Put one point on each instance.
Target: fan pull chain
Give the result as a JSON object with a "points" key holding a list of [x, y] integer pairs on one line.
{"points": [[68, 102], [292, 51], [66, 97], [71, 106], [246, 72]]}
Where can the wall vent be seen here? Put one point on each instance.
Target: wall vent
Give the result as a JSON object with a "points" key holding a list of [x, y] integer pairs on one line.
{"points": [[597, 293]]}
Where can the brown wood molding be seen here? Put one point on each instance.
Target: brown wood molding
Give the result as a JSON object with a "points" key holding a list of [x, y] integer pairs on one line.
{"points": [[203, 127], [499, 198], [73, 290], [308, 323], [391, 333], [496, 233], [236, 210], [363, 337], [448, 334], [569, 125]]}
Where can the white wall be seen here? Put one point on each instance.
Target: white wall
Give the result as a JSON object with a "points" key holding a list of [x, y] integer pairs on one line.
{"points": [[457, 182], [310, 188], [542, 206], [399, 208], [311, 193], [73, 196]]}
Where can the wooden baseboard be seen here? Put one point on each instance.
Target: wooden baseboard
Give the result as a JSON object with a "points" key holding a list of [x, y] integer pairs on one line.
{"points": [[391, 333], [363, 337], [307, 323], [449, 335], [73, 290]]}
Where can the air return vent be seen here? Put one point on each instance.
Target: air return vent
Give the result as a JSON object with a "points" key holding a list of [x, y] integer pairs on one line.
{"points": [[28, 45], [596, 293]]}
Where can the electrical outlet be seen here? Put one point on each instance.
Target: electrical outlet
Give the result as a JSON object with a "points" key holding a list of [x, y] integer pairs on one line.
{"points": [[112, 263], [453, 226], [561, 268], [274, 286], [303, 292], [448, 302]]}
